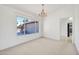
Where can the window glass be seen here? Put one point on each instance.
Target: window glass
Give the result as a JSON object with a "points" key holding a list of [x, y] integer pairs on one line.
{"points": [[26, 26]]}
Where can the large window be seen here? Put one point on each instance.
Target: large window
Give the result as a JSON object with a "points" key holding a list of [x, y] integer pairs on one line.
{"points": [[26, 26]]}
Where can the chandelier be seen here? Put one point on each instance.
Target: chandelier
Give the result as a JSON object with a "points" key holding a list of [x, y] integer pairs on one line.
{"points": [[43, 12]]}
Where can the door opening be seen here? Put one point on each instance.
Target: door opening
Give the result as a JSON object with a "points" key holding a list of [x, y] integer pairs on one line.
{"points": [[66, 29], [69, 29]]}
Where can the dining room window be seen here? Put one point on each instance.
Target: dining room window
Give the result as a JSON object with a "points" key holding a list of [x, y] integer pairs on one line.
{"points": [[26, 26]]}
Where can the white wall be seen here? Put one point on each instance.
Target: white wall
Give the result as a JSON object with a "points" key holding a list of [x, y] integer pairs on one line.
{"points": [[76, 25], [52, 21], [63, 28], [8, 37], [51, 27]]}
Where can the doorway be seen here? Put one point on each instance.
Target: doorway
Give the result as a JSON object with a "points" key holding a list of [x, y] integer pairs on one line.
{"points": [[66, 29], [69, 29]]}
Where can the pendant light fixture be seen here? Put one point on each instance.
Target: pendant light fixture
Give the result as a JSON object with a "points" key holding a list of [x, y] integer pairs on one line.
{"points": [[43, 13]]}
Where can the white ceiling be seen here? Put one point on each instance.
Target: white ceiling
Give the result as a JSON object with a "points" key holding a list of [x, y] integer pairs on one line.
{"points": [[36, 8]]}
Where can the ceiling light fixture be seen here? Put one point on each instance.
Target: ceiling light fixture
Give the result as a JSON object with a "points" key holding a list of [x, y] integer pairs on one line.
{"points": [[70, 18], [43, 12]]}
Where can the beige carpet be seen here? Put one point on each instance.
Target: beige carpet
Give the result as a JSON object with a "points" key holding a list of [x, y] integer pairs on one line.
{"points": [[42, 46]]}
